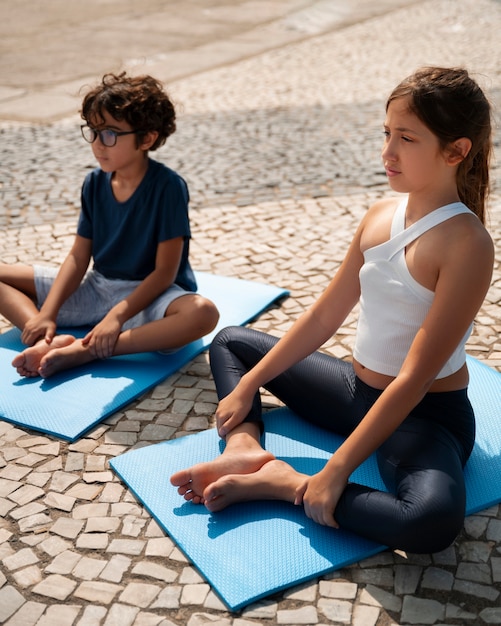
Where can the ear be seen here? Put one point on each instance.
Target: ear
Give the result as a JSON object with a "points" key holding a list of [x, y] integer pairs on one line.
{"points": [[148, 140], [458, 150]]}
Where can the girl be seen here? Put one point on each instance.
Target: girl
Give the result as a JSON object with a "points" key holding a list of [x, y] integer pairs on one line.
{"points": [[420, 268]]}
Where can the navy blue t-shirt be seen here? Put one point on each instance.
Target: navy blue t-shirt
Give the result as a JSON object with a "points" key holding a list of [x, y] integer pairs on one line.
{"points": [[125, 235]]}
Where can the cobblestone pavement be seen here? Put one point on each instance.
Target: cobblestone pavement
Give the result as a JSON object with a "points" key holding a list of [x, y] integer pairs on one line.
{"points": [[281, 155]]}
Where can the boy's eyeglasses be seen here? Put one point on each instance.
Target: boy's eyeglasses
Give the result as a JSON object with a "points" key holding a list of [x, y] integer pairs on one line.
{"points": [[106, 136]]}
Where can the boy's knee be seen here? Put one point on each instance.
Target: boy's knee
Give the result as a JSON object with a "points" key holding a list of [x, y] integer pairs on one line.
{"points": [[207, 313]]}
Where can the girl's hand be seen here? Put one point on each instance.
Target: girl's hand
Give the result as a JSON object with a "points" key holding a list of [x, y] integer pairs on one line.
{"points": [[39, 326], [231, 411], [319, 494], [102, 338]]}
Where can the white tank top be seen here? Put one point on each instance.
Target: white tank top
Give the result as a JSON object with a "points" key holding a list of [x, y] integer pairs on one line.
{"points": [[393, 305]]}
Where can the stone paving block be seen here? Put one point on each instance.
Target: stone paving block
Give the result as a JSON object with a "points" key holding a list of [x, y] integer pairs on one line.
{"points": [[86, 511], [55, 586], [374, 596], [97, 477], [334, 610], [66, 527], [88, 568], [63, 563], [60, 615], [337, 589], [5, 535], [116, 567], [95, 463], [160, 546], [8, 486], [93, 541], [10, 601], [194, 593], [139, 594], [85, 492], [420, 611], [156, 432], [168, 598], [365, 615], [39, 479], [28, 576], [133, 547], [149, 619], [62, 480], [26, 494], [54, 545], [35, 523], [92, 615], [148, 569], [22, 558], [121, 615], [102, 524], [59, 501], [95, 591], [28, 510], [27, 615]]}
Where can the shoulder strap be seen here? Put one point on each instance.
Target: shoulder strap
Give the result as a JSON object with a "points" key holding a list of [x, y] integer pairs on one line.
{"points": [[407, 235]]}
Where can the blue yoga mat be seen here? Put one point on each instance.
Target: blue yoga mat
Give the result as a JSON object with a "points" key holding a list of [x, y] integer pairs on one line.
{"points": [[70, 403], [254, 549]]}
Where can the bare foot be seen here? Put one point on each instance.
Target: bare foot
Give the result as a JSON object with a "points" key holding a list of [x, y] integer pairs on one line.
{"points": [[64, 358], [192, 482], [27, 362], [275, 480]]}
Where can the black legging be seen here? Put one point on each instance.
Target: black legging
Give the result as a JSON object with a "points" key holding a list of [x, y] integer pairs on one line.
{"points": [[421, 463]]}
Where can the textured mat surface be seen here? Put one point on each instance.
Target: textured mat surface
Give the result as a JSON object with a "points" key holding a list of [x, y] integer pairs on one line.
{"points": [[69, 403], [251, 550]]}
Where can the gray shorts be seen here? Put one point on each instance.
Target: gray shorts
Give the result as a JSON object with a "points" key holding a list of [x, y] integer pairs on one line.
{"points": [[96, 295]]}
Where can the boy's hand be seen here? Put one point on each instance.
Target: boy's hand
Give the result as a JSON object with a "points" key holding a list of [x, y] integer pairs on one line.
{"points": [[38, 327], [102, 338]]}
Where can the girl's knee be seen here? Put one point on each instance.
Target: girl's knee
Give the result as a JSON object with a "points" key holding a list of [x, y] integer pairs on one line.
{"points": [[431, 524]]}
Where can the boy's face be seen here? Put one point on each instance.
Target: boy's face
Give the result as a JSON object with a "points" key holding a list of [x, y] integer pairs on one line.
{"points": [[125, 153]]}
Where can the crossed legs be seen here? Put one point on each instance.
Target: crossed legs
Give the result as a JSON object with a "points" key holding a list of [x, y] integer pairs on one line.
{"points": [[186, 319], [423, 509]]}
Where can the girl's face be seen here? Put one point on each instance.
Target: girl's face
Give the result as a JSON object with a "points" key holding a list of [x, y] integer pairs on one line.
{"points": [[124, 154], [411, 153]]}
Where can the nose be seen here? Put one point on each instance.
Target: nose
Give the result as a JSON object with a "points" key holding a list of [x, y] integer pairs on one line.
{"points": [[388, 152]]}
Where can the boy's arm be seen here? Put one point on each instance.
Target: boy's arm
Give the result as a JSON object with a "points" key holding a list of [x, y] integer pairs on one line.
{"points": [[168, 259], [102, 338], [66, 282]]}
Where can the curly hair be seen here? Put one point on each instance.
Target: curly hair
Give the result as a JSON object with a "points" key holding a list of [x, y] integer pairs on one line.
{"points": [[452, 105], [138, 100]]}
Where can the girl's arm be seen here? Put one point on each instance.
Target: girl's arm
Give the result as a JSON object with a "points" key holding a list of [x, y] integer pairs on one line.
{"points": [[462, 284], [66, 282], [102, 338], [306, 335]]}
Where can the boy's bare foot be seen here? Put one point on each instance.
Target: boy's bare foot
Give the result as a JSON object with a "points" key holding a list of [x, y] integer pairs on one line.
{"points": [[27, 362], [192, 482], [64, 358], [275, 480]]}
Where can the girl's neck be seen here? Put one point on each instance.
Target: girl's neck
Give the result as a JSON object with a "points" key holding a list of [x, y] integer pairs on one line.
{"points": [[421, 204]]}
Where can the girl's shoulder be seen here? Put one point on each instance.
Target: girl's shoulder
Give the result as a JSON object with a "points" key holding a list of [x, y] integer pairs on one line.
{"points": [[375, 227]]}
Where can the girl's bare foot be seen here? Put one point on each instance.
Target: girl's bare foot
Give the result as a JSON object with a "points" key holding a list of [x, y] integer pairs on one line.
{"points": [[192, 482], [275, 480], [27, 362]]}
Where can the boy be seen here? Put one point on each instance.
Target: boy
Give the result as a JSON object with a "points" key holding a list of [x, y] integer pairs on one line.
{"points": [[139, 296]]}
